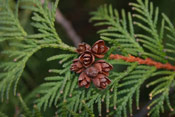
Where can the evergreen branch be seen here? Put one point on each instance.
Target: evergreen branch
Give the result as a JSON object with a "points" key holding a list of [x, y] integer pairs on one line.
{"points": [[133, 82], [119, 95], [152, 44], [13, 70], [170, 45], [163, 87], [24, 45], [145, 110], [162, 90], [62, 82], [10, 26], [146, 12], [93, 96], [43, 20], [117, 31]]}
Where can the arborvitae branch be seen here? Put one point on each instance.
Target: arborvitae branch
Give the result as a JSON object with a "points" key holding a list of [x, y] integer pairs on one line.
{"points": [[117, 29], [145, 12], [62, 91], [153, 48], [25, 45]]}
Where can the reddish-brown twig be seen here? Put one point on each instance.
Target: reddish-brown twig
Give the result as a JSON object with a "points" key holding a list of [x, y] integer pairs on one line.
{"points": [[146, 61]]}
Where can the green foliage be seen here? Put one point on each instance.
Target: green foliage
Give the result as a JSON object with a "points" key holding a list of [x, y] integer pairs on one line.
{"points": [[117, 30], [131, 85], [54, 87], [120, 32], [13, 68], [24, 45], [61, 89], [147, 17], [170, 49]]}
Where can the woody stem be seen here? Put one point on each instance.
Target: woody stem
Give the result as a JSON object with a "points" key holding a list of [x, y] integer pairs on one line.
{"points": [[146, 61]]}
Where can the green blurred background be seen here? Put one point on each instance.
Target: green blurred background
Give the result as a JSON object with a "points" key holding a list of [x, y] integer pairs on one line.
{"points": [[77, 12]]}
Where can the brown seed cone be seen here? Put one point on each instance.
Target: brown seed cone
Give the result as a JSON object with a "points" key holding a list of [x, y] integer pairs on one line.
{"points": [[82, 47], [92, 72], [103, 67], [99, 49], [101, 81], [87, 58], [84, 80], [98, 71], [77, 66]]}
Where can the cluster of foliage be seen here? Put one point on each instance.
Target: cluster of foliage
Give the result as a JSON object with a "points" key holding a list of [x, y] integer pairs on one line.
{"points": [[61, 89]]}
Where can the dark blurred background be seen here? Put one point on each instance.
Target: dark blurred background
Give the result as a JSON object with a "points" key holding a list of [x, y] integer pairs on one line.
{"points": [[77, 12]]}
